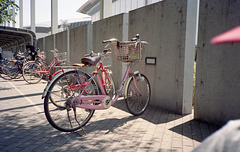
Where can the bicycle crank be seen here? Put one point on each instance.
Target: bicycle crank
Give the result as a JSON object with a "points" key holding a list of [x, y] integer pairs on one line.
{"points": [[106, 102]]}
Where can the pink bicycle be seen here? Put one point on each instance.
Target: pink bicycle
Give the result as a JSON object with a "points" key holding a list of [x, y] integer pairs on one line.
{"points": [[79, 94]]}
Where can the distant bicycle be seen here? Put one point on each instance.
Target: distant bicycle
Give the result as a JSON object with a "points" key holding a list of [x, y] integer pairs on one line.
{"points": [[12, 69], [33, 71]]}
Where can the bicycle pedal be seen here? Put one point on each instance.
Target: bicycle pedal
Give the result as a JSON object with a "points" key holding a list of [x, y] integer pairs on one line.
{"points": [[107, 102]]}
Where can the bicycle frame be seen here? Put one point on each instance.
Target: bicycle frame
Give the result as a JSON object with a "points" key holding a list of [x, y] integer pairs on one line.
{"points": [[47, 72], [104, 73], [100, 81], [17, 63], [85, 100]]}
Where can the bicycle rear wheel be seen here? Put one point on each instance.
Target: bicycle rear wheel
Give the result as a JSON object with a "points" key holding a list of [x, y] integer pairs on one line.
{"points": [[57, 107], [137, 101], [31, 72]]}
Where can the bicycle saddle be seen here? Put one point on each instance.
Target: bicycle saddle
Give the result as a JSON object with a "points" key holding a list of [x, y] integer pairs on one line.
{"points": [[78, 65], [91, 61]]}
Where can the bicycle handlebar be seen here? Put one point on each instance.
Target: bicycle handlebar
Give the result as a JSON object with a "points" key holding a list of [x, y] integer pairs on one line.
{"points": [[134, 39], [110, 40], [53, 51], [105, 51]]}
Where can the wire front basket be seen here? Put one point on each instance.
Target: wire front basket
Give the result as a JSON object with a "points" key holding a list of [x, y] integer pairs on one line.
{"points": [[128, 51]]}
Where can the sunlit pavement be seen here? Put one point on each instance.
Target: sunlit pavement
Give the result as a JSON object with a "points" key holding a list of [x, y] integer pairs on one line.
{"points": [[23, 126]]}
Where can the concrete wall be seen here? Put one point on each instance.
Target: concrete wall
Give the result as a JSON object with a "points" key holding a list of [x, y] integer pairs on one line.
{"points": [[106, 29], [40, 44], [61, 41], [78, 43], [49, 45], [218, 82], [163, 25]]}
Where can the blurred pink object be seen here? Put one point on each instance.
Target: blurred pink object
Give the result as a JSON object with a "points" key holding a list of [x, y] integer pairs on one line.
{"points": [[232, 35]]}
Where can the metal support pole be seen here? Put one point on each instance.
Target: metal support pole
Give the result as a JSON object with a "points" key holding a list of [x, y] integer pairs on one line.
{"points": [[191, 20], [68, 46], [54, 16], [14, 16], [20, 13], [44, 45], [125, 37], [8, 21], [33, 19], [54, 41]]}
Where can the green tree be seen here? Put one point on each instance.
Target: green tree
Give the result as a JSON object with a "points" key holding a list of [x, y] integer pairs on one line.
{"points": [[7, 9]]}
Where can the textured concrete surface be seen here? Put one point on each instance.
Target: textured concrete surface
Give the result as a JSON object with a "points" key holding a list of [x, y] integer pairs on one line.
{"points": [[217, 74]]}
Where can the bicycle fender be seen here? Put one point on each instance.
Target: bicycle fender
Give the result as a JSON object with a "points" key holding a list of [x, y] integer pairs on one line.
{"points": [[127, 83], [57, 72], [51, 76], [50, 82]]}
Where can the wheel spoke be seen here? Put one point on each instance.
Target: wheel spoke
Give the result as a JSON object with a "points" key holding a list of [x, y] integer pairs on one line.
{"points": [[59, 97], [138, 94]]}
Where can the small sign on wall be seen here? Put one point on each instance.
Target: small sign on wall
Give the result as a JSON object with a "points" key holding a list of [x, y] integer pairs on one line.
{"points": [[151, 60]]}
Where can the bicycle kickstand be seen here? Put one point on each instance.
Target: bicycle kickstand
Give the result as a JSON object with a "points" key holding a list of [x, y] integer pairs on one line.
{"points": [[75, 116]]}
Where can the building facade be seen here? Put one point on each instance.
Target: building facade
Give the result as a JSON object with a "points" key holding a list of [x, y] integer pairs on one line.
{"points": [[93, 7]]}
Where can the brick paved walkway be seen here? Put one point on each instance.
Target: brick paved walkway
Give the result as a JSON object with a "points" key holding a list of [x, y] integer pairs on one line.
{"points": [[24, 127]]}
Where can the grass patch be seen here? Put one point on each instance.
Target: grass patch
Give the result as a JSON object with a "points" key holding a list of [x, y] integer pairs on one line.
{"points": [[194, 83]]}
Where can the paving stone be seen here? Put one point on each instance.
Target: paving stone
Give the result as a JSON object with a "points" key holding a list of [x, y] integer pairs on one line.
{"points": [[24, 127]]}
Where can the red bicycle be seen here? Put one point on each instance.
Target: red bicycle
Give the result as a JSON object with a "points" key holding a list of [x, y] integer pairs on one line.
{"points": [[33, 71]]}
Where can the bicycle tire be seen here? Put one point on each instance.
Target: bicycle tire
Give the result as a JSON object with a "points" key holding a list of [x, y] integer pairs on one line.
{"points": [[20, 69], [5, 67], [60, 88], [136, 103], [14, 71], [62, 105], [29, 72]]}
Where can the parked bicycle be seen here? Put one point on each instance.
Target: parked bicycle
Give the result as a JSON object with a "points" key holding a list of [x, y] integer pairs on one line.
{"points": [[79, 95], [33, 71], [11, 69]]}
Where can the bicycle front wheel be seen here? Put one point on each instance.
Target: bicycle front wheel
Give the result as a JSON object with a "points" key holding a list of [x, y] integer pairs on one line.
{"points": [[8, 70], [138, 93], [31, 72], [60, 113]]}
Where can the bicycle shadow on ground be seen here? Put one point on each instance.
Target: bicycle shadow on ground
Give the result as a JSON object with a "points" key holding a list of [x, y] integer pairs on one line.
{"points": [[19, 79], [26, 133], [18, 96], [152, 114], [193, 129], [5, 88], [33, 133], [107, 126]]}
